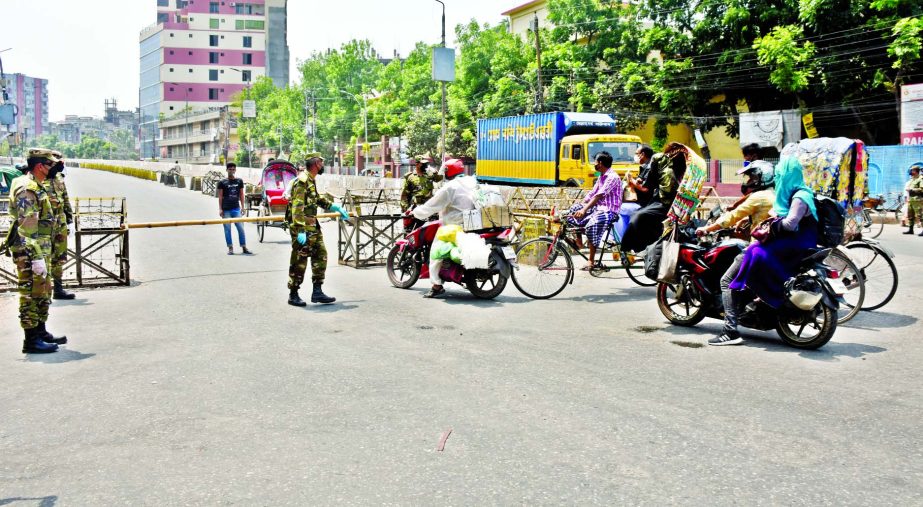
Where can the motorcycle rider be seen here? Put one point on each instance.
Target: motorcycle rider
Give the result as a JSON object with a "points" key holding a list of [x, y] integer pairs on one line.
{"points": [[766, 265], [759, 193], [456, 196]]}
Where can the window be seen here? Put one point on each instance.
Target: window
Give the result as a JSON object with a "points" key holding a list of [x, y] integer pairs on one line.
{"points": [[245, 76], [171, 108], [212, 75], [248, 41], [252, 24], [190, 71], [213, 7], [212, 94], [213, 41], [171, 34], [248, 59], [576, 152], [171, 88], [214, 23], [163, 3], [171, 51], [171, 69], [566, 152], [162, 17], [212, 57]]}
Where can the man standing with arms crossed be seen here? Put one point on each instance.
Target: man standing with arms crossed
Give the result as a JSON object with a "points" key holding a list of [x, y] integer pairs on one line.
{"points": [[307, 239], [30, 244]]}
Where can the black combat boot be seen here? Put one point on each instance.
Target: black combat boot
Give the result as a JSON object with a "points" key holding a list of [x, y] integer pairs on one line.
{"points": [[318, 295], [48, 337], [33, 344], [910, 230], [60, 293], [294, 299]]}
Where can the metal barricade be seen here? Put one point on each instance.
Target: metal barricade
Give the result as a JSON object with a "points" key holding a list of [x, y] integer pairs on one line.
{"points": [[365, 239], [97, 254]]}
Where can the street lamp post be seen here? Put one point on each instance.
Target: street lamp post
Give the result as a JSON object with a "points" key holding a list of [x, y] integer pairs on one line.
{"points": [[365, 122], [246, 79], [442, 150]]}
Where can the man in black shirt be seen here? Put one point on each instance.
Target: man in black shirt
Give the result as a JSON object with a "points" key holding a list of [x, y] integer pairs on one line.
{"points": [[230, 202]]}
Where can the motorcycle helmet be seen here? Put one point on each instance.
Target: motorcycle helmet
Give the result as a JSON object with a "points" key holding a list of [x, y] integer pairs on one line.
{"points": [[760, 176], [804, 292], [454, 167]]}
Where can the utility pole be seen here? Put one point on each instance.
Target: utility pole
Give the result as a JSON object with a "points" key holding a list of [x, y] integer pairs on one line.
{"points": [[538, 56], [442, 148]]}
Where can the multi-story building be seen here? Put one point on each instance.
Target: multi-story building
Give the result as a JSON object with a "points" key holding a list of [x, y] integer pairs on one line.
{"points": [[30, 94], [199, 137], [200, 54]]}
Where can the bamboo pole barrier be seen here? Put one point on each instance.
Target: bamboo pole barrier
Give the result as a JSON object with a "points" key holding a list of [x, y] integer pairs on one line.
{"points": [[217, 221]]}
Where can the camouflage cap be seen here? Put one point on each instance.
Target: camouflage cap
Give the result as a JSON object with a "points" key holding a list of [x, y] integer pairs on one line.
{"points": [[426, 158], [313, 154], [44, 153], [58, 154]]}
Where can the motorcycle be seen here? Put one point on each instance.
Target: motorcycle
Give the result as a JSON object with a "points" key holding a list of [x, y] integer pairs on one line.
{"points": [[408, 261], [807, 319]]}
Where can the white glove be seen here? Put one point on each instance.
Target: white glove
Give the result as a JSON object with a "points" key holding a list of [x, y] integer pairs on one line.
{"points": [[39, 268]]}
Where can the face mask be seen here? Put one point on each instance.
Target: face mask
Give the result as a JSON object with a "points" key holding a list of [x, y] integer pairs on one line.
{"points": [[321, 170], [637, 159]]}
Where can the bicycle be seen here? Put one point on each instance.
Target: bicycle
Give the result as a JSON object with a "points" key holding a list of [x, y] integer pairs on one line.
{"points": [[881, 206], [546, 266], [877, 269]]}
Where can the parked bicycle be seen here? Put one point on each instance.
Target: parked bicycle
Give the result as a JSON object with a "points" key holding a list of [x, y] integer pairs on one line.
{"points": [[545, 265], [877, 271], [875, 210]]}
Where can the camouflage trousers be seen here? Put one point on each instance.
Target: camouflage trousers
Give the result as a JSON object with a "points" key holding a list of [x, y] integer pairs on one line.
{"points": [[298, 263], [34, 293], [915, 211], [58, 253]]}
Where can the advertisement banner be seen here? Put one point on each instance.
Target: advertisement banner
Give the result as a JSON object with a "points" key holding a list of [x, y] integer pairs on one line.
{"points": [[912, 115], [809, 128], [249, 109]]}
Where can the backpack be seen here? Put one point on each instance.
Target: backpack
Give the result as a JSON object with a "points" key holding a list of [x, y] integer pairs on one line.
{"points": [[831, 220]]}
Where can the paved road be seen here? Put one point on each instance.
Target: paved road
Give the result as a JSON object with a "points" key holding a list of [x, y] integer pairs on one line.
{"points": [[200, 386]]}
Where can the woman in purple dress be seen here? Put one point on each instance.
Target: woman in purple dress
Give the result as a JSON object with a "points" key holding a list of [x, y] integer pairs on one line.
{"points": [[767, 266]]}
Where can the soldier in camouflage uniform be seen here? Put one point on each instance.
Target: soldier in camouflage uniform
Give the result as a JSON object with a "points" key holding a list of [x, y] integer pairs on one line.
{"points": [[29, 242], [307, 239], [418, 184], [64, 216], [914, 189]]}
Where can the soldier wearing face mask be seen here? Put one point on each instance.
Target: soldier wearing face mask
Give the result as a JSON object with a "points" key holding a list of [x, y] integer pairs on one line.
{"points": [[64, 217]]}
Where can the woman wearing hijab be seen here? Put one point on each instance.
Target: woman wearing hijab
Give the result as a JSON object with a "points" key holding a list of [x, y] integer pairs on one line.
{"points": [[767, 265]]}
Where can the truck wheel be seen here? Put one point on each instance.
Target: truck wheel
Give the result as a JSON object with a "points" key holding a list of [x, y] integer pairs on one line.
{"points": [[571, 183]]}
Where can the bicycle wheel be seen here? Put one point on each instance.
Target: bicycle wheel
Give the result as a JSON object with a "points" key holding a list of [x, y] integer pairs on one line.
{"points": [[876, 229], [855, 286], [635, 271], [543, 268], [878, 272]]}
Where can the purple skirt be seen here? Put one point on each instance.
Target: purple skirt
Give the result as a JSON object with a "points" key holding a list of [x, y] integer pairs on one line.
{"points": [[766, 267]]}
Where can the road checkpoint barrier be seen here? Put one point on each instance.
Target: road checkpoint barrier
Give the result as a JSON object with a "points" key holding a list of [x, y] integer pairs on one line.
{"points": [[98, 250], [376, 223]]}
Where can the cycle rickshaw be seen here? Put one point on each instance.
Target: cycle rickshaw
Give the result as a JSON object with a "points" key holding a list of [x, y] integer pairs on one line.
{"points": [[838, 168], [274, 180]]}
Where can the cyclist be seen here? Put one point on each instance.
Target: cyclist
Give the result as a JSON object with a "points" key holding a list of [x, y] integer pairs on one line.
{"points": [[600, 208]]}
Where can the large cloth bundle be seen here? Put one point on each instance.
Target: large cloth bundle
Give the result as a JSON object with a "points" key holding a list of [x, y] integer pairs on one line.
{"points": [[687, 197]]}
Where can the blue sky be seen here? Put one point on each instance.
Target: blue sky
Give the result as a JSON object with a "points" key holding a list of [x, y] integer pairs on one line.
{"points": [[88, 50]]}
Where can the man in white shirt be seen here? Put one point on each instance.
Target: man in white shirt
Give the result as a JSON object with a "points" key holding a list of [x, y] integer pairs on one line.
{"points": [[450, 201]]}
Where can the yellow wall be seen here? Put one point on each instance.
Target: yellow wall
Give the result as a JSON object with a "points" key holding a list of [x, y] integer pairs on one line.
{"points": [[720, 145]]}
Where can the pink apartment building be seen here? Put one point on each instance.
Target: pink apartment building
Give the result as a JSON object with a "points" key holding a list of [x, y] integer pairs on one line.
{"points": [[198, 55]]}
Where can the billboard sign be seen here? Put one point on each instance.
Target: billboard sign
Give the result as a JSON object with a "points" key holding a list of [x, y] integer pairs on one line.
{"points": [[249, 107], [912, 115]]}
